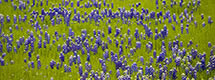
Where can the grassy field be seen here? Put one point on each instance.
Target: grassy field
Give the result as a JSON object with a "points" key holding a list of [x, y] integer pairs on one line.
{"points": [[19, 70]]}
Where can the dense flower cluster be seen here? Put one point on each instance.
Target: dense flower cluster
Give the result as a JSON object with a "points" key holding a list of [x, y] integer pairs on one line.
{"points": [[117, 42]]}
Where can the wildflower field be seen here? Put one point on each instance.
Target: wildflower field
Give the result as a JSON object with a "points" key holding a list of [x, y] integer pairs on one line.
{"points": [[107, 40]]}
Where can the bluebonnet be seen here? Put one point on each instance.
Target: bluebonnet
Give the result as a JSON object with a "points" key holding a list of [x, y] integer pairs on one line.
{"points": [[170, 20], [29, 55], [44, 44], [154, 54], [52, 63], [209, 44], [61, 56], [88, 57], [121, 42], [187, 30], [109, 30], [117, 32], [195, 75], [38, 64], [57, 65], [32, 64], [129, 41], [202, 16], [156, 2], [10, 29], [128, 32], [69, 69], [78, 3], [78, 59], [174, 74], [136, 34], [190, 42], [25, 60], [2, 62], [182, 28], [20, 18], [72, 4], [132, 51], [138, 45], [38, 57], [156, 36], [212, 52], [112, 5], [39, 44], [118, 73], [80, 70], [178, 61], [14, 19], [210, 21], [59, 47], [203, 24], [203, 65], [151, 60], [65, 68], [181, 43], [3, 55], [7, 18]]}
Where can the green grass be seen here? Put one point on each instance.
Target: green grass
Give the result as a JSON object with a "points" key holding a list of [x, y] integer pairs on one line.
{"points": [[20, 70]]}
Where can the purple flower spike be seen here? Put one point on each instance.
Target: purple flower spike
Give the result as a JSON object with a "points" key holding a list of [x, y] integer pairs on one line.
{"points": [[79, 59], [177, 61], [41, 3], [32, 64], [109, 30], [80, 70], [14, 19], [38, 57], [181, 43], [38, 64], [117, 32], [138, 45], [111, 5], [29, 55], [131, 51], [52, 63], [2, 62], [47, 2], [203, 24], [61, 57], [88, 57], [118, 73], [65, 68], [195, 22], [182, 28], [3, 55], [174, 74], [210, 21], [202, 16], [142, 60], [72, 4], [69, 69], [128, 32], [78, 3], [25, 60], [187, 30], [209, 44], [155, 54], [156, 2]]}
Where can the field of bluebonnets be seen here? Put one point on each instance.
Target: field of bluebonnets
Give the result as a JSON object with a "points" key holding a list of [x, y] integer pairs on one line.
{"points": [[107, 39]]}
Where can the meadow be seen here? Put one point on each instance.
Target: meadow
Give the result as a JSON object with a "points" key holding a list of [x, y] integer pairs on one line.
{"points": [[107, 40]]}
